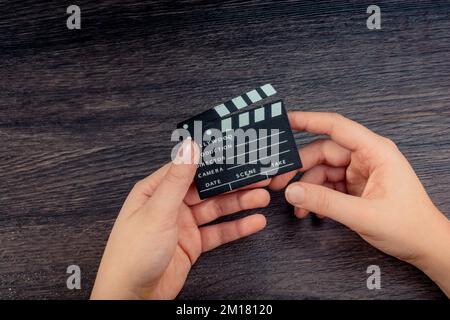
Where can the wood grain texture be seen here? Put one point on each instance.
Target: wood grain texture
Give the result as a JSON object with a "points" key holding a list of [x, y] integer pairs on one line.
{"points": [[84, 114]]}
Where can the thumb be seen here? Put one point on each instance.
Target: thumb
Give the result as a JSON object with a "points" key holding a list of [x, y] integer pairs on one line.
{"points": [[170, 193], [336, 205]]}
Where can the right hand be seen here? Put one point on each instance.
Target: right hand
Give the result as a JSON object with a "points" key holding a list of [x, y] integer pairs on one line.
{"points": [[362, 180]]}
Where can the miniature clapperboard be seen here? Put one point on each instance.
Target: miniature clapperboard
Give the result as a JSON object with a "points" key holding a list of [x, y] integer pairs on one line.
{"points": [[241, 144]]}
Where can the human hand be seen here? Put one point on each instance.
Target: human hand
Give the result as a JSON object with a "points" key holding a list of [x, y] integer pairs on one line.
{"points": [[362, 180], [159, 233]]}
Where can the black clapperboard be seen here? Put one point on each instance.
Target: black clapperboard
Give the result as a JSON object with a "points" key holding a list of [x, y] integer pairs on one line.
{"points": [[234, 156]]}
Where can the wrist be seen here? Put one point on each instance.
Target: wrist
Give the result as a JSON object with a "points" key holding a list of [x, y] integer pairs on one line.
{"points": [[109, 287], [434, 260], [114, 295], [102, 292]]}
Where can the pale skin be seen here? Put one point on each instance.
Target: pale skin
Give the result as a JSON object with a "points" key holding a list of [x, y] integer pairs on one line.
{"points": [[160, 233], [354, 176]]}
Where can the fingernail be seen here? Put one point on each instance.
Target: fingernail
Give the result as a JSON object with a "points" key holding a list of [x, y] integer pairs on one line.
{"points": [[184, 154], [295, 194], [195, 151]]}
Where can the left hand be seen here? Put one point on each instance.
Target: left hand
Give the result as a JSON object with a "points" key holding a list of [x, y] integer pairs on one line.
{"points": [[159, 233]]}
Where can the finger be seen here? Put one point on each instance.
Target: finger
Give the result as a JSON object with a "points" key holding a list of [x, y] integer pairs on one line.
{"points": [[320, 175], [226, 204], [322, 151], [169, 195], [281, 181], [143, 190], [318, 179], [338, 206], [323, 173], [329, 185], [300, 212], [347, 133], [219, 234], [193, 198]]}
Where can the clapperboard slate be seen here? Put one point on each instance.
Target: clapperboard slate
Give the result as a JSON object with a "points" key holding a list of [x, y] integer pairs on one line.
{"points": [[279, 148]]}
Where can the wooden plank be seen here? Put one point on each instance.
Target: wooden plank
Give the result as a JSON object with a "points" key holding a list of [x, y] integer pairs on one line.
{"points": [[84, 114]]}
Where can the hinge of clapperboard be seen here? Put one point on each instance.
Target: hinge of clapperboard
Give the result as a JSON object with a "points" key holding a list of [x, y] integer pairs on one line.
{"points": [[237, 104]]}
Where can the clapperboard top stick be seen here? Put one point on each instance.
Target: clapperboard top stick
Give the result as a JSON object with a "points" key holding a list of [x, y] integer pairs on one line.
{"points": [[231, 106], [272, 151]]}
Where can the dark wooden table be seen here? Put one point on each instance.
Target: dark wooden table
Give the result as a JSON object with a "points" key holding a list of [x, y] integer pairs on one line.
{"points": [[84, 114]]}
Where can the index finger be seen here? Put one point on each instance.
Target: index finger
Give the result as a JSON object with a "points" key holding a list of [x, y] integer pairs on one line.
{"points": [[348, 133]]}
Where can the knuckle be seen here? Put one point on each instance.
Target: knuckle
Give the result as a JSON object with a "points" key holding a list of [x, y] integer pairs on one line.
{"points": [[324, 202], [145, 186], [239, 229], [222, 235], [336, 116], [217, 210], [140, 184], [389, 142], [266, 199], [174, 175], [326, 145], [240, 201], [321, 145]]}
